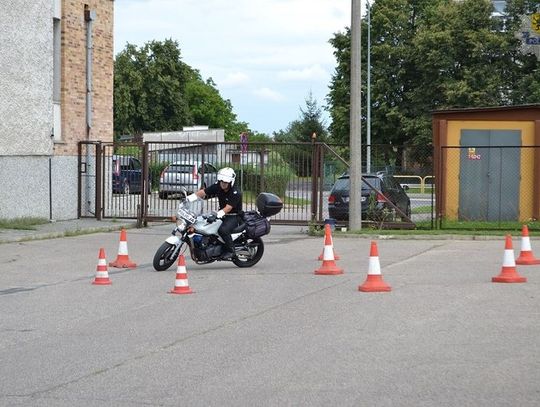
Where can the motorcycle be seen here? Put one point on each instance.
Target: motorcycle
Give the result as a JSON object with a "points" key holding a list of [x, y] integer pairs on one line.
{"points": [[199, 233]]}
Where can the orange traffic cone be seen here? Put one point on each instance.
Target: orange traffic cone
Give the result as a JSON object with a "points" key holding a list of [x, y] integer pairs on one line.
{"points": [[374, 281], [102, 275], [181, 285], [122, 260], [526, 255], [328, 231], [328, 266], [508, 271]]}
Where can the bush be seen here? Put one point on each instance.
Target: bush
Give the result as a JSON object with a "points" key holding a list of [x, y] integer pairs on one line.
{"points": [[155, 170]]}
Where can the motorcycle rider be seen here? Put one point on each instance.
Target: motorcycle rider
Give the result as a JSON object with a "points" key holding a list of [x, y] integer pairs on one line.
{"points": [[230, 206]]}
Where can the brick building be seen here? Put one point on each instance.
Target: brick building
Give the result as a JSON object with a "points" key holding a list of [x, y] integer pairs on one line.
{"points": [[56, 76]]}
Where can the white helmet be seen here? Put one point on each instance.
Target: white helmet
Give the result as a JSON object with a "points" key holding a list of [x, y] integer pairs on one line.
{"points": [[226, 174]]}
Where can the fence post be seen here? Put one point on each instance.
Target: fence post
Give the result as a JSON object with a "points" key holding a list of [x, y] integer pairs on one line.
{"points": [[313, 180], [261, 186], [99, 165], [146, 188]]}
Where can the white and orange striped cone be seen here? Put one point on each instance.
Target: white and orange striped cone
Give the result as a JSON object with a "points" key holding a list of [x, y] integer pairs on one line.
{"points": [[102, 274], [328, 266], [508, 272], [526, 256], [122, 260], [374, 281], [328, 231], [181, 284]]}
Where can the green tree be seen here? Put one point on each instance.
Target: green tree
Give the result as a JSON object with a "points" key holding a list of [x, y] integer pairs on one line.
{"points": [[149, 89], [526, 78], [209, 108], [302, 130], [155, 91], [428, 55]]}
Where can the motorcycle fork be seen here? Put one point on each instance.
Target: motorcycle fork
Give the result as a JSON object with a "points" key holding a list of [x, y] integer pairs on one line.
{"points": [[183, 241]]}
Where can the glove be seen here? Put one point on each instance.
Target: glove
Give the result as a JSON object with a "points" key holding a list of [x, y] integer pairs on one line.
{"points": [[192, 198], [220, 214], [211, 218]]}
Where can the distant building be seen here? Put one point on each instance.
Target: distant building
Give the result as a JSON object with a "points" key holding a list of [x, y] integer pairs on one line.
{"points": [[57, 89], [200, 143]]}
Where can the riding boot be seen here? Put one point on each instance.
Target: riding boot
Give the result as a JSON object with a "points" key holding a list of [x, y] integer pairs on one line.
{"points": [[229, 253]]}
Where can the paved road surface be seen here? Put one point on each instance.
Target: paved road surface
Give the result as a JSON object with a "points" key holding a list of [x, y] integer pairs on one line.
{"points": [[272, 335]]}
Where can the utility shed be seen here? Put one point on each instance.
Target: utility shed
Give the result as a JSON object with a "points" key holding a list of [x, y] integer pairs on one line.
{"points": [[487, 163]]}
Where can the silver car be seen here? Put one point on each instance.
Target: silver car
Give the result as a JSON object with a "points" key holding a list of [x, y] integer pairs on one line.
{"points": [[182, 177]]}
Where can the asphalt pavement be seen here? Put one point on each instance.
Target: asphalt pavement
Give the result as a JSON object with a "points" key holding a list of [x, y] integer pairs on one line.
{"points": [[275, 334]]}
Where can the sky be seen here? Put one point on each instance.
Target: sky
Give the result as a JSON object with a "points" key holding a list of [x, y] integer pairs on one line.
{"points": [[265, 56]]}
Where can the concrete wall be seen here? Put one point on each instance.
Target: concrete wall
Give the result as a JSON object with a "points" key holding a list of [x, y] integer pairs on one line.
{"points": [[26, 78], [38, 174], [30, 184]]}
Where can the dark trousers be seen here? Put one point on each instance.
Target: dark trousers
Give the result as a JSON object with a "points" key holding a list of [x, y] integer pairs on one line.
{"points": [[227, 226]]}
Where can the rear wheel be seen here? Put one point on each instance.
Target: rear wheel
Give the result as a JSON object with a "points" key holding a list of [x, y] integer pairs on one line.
{"points": [[249, 253], [407, 212], [165, 257]]}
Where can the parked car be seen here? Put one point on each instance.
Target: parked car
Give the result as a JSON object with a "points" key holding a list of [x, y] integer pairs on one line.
{"points": [[373, 203], [185, 177], [127, 175]]}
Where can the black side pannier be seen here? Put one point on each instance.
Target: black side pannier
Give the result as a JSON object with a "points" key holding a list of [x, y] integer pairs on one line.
{"points": [[256, 224]]}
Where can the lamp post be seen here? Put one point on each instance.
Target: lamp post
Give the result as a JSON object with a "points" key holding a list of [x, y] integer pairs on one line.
{"points": [[355, 139], [368, 133]]}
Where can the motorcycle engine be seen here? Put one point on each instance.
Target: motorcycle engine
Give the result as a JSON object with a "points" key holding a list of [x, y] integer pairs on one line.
{"points": [[200, 241], [206, 247]]}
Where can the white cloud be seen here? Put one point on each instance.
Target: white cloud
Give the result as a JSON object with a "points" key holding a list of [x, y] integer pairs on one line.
{"points": [[234, 79], [309, 73], [254, 50], [268, 94]]}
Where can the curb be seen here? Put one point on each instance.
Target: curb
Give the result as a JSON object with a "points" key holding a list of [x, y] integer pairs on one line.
{"points": [[36, 235]]}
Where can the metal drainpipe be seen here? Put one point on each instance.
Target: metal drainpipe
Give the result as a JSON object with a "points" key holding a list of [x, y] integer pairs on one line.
{"points": [[50, 191], [89, 17]]}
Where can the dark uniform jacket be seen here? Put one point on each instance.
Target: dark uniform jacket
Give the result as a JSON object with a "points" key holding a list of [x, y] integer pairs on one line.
{"points": [[232, 197]]}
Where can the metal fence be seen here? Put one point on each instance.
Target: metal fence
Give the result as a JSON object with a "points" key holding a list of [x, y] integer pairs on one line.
{"points": [[132, 177], [482, 187]]}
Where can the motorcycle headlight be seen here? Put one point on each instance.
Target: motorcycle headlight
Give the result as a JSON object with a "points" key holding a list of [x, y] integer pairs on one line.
{"points": [[180, 224]]}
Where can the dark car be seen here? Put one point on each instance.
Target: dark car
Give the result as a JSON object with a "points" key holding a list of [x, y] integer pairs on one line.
{"points": [[127, 174], [374, 203]]}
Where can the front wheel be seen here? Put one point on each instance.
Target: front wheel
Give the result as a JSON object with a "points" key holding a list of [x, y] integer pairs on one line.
{"points": [[249, 253], [165, 256]]}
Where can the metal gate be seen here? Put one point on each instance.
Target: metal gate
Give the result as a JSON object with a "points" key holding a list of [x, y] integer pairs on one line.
{"points": [[124, 181], [131, 181]]}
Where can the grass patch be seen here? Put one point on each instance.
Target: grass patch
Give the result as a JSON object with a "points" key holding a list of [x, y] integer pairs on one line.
{"points": [[296, 201], [422, 209], [455, 228], [418, 190], [249, 196], [25, 223], [511, 227]]}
